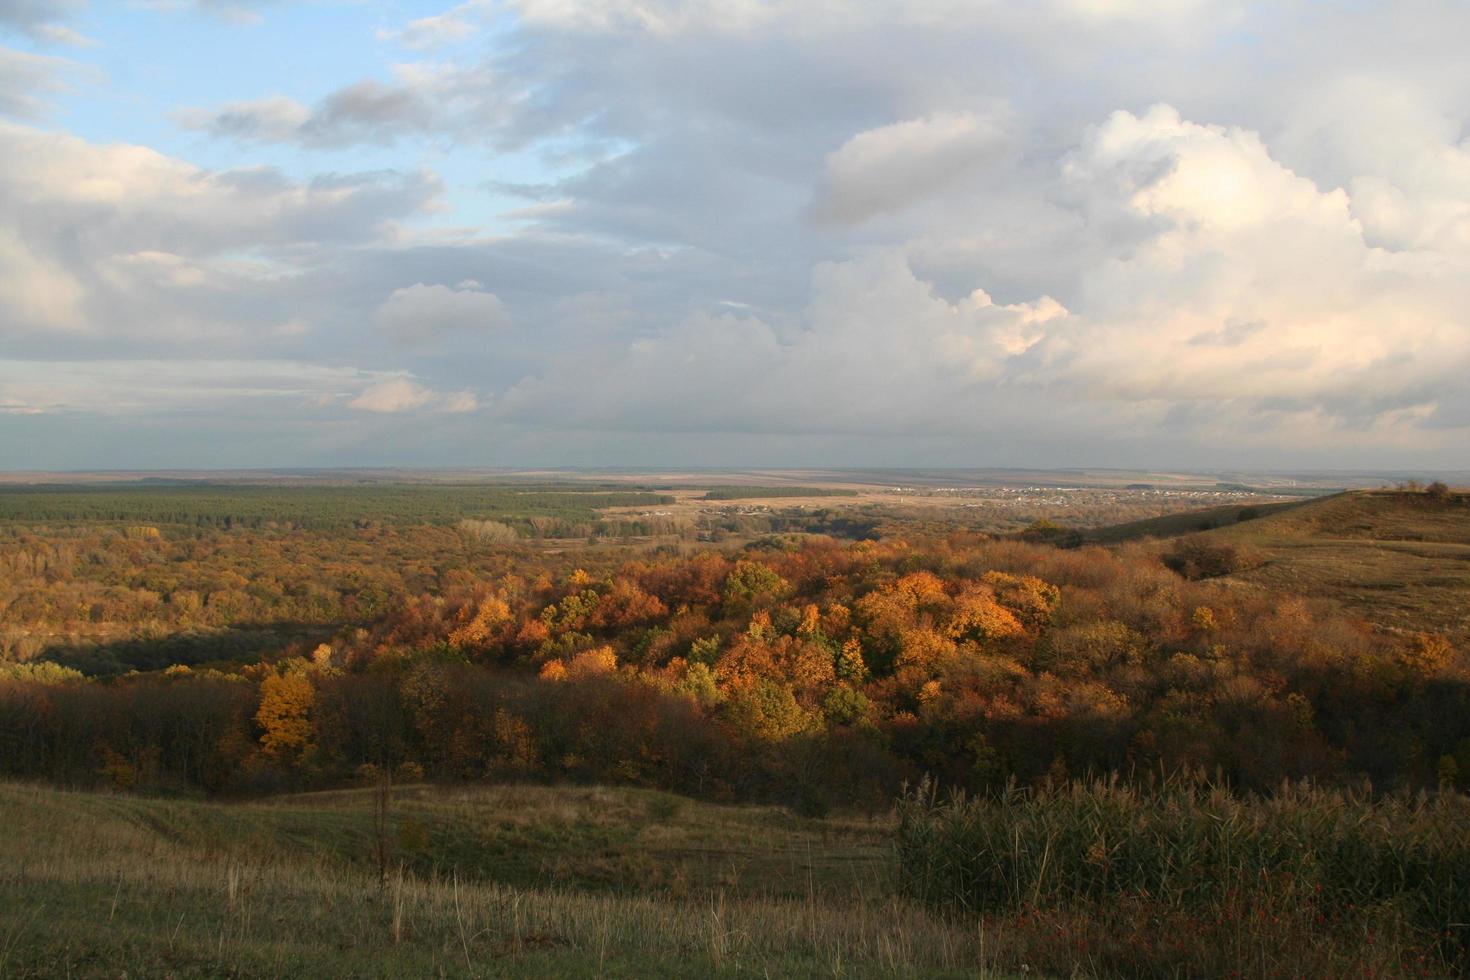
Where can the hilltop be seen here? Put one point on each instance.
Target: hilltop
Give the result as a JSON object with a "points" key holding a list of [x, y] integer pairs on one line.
{"points": [[1400, 559]]}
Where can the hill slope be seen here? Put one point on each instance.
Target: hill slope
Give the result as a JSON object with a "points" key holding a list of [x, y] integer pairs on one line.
{"points": [[1399, 559], [495, 881]]}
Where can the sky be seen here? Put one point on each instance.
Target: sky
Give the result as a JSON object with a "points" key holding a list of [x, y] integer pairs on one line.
{"points": [[1209, 234]]}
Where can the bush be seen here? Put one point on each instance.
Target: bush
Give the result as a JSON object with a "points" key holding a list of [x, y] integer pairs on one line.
{"points": [[1196, 557]]}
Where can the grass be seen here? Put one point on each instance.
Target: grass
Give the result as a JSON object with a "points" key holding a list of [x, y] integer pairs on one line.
{"points": [[509, 881], [1401, 560], [569, 881], [1188, 880]]}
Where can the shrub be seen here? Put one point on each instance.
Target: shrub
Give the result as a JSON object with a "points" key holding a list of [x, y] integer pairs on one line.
{"points": [[1197, 557]]}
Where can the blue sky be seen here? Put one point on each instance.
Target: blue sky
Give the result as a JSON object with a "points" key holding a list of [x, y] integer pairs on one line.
{"points": [[1208, 233]]}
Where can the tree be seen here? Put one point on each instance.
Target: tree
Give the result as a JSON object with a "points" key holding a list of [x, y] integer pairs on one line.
{"points": [[284, 715]]}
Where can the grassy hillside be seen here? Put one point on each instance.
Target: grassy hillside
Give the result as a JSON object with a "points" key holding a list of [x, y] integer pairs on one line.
{"points": [[523, 881], [1400, 559], [1191, 521]]}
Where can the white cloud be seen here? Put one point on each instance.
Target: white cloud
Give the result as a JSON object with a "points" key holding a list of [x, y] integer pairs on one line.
{"points": [[396, 395], [455, 25], [460, 402]]}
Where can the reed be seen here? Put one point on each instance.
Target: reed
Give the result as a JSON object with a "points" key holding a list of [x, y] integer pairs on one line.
{"points": [[1188, 876]]}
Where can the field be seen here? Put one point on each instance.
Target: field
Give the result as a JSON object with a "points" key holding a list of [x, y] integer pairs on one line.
{"points": [[307, 506]]}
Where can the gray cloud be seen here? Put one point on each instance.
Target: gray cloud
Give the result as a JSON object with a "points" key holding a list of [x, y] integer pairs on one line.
{"points": [[41, 19], [421, 313]]}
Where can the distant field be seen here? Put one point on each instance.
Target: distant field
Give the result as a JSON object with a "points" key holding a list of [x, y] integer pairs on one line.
{"points": [[318, 507], [758, 493]]}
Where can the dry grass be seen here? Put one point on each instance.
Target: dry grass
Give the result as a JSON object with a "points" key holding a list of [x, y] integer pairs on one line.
{"points": [[101, 885], [545, 881]]}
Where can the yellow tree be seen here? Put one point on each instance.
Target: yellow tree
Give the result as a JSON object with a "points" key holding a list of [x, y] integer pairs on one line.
{"points": [[284, 715]]}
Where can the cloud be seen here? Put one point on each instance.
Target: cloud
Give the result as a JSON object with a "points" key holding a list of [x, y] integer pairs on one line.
{"points": [[762, 231], [454, 25], [1341, 326], [42, 19], [887, 168], [131, 387], [422, 100], [276, 119], [117, 240], [27, 81], [422, 312], [460, 402], [398, 395], [1237, 299], [876, 352]]}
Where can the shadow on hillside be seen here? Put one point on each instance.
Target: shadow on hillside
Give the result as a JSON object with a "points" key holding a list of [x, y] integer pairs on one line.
{"points": [[243, 642]]}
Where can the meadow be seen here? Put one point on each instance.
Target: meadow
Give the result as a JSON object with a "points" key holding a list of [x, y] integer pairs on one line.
{"points": [[518, 880]]}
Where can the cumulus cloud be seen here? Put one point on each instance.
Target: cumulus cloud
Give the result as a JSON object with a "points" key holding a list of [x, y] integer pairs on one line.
{"points": [[1336, 323], [1243, 293], [420, 313]]}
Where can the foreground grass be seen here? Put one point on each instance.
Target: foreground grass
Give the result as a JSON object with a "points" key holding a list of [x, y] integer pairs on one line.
{"points": [[1093, 881], [488, 882]]}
